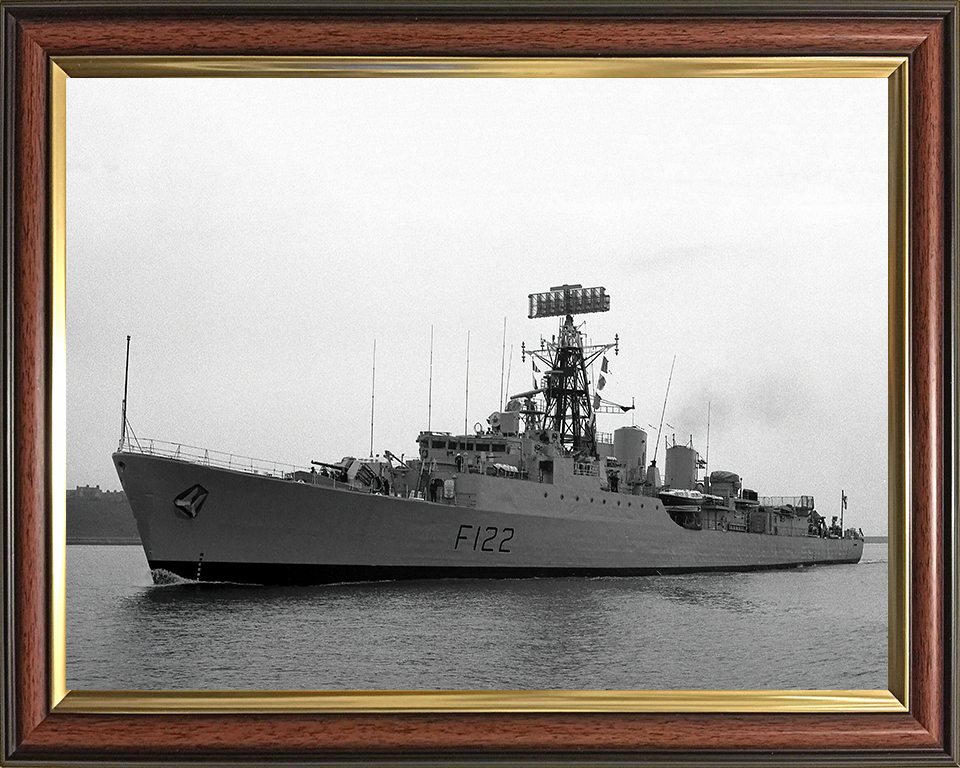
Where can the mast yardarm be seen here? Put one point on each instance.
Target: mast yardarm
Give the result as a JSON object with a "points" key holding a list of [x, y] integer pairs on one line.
{"points": [[569, 409]]}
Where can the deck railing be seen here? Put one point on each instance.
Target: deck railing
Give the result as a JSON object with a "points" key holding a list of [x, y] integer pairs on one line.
{"points": [[206, 457]]}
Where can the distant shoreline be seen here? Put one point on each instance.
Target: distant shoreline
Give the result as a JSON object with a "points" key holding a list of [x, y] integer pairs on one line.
{"points": [[95, 516], [876, 539]]}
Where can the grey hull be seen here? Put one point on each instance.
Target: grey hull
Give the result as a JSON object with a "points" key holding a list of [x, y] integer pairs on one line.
{"points": [[212, 524]]}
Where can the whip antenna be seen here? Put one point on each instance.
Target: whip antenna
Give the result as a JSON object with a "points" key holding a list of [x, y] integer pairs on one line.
{"points": [[663, 412], [373, 394], [706, 460], [503, 352], [430, 391], [509, 368], [123, 415], [466, 394]]}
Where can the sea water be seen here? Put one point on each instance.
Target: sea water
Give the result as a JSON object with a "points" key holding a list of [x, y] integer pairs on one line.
{"points": [[803, 628]]}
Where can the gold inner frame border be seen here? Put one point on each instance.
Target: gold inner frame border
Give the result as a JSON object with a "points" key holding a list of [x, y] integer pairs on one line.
{"points": [[895, 699]]}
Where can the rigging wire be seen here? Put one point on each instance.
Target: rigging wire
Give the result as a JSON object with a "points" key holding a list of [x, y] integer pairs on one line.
{"points": [[664, 411]]}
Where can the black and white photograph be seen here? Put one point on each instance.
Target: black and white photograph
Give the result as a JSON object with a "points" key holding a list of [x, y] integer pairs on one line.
{"points": [[406, 383]]}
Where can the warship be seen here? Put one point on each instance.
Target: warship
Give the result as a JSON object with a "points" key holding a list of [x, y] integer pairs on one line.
{"points": [[537, 491]]}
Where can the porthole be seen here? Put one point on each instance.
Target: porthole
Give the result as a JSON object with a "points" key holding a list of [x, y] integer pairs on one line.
{"points": [[591, 501], [544, 494], [577, 498], [618, 503], [604, 501], [561, 497], [629, 504]]}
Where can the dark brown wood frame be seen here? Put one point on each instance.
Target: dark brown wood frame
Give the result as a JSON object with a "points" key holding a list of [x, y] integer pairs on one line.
{"points": [[925, 32]]}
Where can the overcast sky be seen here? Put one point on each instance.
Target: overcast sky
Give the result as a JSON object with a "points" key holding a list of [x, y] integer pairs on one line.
{"points": [[255, 237]]}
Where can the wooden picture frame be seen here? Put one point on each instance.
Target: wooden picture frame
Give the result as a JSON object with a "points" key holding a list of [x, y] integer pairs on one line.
{"points": [[39, 728]]}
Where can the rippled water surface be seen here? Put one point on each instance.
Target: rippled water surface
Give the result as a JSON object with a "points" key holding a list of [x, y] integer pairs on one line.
{"points": [[806, 628]]}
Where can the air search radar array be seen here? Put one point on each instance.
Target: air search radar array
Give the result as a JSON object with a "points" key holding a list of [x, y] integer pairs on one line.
{"points": [[568, 300]]}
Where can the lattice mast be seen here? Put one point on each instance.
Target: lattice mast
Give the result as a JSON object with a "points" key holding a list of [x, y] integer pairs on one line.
{"points": [[569, 409]]}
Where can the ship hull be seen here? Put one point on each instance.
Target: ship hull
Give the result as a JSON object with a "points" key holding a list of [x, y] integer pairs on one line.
{"points": [[209, 524]]}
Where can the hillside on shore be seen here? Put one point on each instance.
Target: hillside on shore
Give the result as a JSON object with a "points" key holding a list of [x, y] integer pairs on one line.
{"points": [[99, 517]]}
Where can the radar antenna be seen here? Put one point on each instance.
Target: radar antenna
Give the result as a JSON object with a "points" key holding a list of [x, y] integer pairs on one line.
{"points": [[569, 410]]}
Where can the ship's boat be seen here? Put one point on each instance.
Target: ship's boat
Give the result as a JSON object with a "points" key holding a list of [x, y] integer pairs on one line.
{"points": [[537, 492], [684, 498]]}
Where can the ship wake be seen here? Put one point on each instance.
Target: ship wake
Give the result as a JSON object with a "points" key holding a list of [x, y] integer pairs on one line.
{"points": [[163, 578]]}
